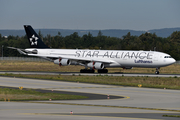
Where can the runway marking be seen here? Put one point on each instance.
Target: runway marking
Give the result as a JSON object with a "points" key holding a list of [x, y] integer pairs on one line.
{"points": [[85, 115], [158, 109]]}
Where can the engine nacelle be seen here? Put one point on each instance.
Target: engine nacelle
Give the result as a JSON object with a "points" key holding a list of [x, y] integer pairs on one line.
{"points": [[34, 52], [62, 62], [99, 65], [96, 65]]}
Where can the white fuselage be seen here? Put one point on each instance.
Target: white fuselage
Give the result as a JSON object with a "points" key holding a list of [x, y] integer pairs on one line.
{"points": [[111, 58]]}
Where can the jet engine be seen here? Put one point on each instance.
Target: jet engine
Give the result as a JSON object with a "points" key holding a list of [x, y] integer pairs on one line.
{"points": [[96, 65], [62, 62], [34, 52]]}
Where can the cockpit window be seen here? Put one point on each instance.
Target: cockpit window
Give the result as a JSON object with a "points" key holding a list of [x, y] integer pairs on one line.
{"points": [[167, 57]]}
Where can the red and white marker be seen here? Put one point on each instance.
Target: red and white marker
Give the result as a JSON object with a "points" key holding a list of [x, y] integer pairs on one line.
{"points": [[108, 96]]}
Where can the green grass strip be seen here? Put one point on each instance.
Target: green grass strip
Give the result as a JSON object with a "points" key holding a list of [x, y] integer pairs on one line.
{"points": [[150, 82], [20, 95], [171, 116]]}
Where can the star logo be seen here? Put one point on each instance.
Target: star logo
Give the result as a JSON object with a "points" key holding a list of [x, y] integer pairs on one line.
{"points": [[33, 40]]}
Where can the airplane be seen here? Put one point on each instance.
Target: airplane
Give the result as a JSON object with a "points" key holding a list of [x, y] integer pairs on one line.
{"points": [[94, 59]]}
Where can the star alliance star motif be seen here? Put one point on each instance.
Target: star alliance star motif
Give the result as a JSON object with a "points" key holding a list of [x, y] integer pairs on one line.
{"points": [[33, 40]]}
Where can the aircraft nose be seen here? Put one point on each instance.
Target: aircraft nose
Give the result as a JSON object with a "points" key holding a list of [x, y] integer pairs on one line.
{"points": [[172, 61]]}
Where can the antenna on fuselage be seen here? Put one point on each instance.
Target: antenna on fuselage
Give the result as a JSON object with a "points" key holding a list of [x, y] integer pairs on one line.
{"points": [[154, 48]]}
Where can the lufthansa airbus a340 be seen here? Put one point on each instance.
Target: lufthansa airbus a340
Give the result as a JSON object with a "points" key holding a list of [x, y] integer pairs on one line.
{"points": [[94, 59]]}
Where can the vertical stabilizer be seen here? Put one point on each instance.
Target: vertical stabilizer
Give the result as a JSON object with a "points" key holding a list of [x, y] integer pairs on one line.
{"points": [[34, 40]]}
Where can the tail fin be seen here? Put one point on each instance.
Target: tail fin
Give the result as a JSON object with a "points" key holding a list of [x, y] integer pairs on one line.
{"points": [[34, 40]]}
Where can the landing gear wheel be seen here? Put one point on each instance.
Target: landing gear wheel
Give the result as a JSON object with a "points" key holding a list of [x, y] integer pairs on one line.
{"points": [[86, 71], [102, 71], [157, 72]]}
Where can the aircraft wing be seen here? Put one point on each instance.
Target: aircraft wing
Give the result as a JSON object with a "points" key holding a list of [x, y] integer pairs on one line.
{"points": [[54, 56], [85, 59]]}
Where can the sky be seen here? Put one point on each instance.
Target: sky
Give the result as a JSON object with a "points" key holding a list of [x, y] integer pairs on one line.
{"points": [[90, 14]]}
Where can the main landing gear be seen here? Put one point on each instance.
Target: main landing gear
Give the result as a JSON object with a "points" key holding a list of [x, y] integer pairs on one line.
{"points": [[103, 71], [157, 71], [87, 71], [92, 71]]}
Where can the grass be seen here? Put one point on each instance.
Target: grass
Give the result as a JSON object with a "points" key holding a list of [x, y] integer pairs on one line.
{"points": [[155, 82], [50, 66], [150, 82], [171, 116], [20, 95]]}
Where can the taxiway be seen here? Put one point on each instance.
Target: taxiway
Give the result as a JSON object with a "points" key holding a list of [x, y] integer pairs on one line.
{"points": [[138, 103], [90, 74]]}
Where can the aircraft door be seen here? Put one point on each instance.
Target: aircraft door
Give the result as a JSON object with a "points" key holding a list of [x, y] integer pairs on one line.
{"points": [[155, 57]]}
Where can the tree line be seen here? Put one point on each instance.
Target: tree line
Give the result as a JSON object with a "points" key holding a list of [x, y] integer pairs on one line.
{"points": [[146, 41]]}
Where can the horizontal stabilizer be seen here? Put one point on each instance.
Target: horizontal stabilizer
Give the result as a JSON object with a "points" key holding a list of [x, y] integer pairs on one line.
{"points": [[21, 51]]}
